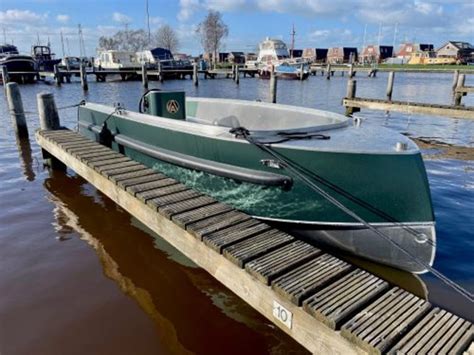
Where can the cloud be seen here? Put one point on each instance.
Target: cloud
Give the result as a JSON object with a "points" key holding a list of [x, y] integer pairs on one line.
{"points": [[156, 21], [121, 18], [15, 17], [187, 9], [62, 18]]}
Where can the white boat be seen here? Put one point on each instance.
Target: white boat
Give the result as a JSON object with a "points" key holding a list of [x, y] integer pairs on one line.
{"points": [[117, 60]]}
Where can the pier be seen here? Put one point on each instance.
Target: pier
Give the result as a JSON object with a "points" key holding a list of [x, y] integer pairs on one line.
{"points": [[456, 110], [326, 304]]}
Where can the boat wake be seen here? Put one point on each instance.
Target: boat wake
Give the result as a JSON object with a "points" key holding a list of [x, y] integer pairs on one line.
{"points": [[250, 198]]}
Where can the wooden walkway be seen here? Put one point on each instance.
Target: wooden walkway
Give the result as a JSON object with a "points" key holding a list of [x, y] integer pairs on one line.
{"points": [[411, 107], [324, 303]]}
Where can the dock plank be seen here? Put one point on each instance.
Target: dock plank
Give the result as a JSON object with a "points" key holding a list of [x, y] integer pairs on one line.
{"points": [[377, 327], [149, 195], [337, 301], [176, 207], [140, 180], [216, 223], [109, 173], [135, 189], [272, 265], [126, 166], [242, 252], [233, 234], [305, 280], [169, 194], [438, 332], [185, 218], [133, 174], [108, 161]]}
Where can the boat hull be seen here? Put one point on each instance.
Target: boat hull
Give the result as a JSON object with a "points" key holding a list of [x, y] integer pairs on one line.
{"points": [[419, 241], [385, 189], [20, 68]]}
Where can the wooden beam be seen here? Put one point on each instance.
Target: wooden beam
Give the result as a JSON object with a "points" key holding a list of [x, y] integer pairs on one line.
{"points": [[411, 107]]}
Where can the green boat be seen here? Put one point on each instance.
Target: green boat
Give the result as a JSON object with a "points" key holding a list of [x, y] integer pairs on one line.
{"points": [[297, 168]]}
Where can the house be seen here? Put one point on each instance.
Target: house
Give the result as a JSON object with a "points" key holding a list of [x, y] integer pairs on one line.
{"points": [[340, 55], [222, 57], [407, 49], [236, 57], [296, 53], [315, 55], [462, 51], [375, 54]]}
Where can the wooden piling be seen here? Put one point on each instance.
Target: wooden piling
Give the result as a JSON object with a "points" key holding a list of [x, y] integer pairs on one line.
{"points": [[237, 75], [455, 79], [301, 71], [57, 75], [48, 113], [144, 76], [391, 77], [49, 121], [328, 71], [160, 74], [15, 105], [5, 77], [351, 71], [195, 74], [273, 87], [83, 75], [350, 94], [458, 95]]}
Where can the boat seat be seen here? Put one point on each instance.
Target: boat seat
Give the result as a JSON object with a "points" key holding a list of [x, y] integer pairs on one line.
{"points": [[227, 121]]}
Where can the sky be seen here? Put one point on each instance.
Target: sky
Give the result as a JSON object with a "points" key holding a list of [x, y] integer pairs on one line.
{"points": [[318, 23]]}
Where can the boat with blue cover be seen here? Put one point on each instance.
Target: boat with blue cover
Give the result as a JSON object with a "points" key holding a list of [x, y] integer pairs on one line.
{"points": [[293, 167]]}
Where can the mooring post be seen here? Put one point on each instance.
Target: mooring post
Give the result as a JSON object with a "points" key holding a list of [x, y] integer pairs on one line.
{"points": [[301, 71], [351, 71], [350, 94], [195, 74], [15, 105], [57, 75], [144, 76], [458, 94], [237, 74], [455, 80], [273, 87], [328, 71], [49, 121], [160, 74], [83, 75], [5, 78], [391, 77]]}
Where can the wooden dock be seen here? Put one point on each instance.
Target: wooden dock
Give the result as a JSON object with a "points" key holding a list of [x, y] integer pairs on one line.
{"points": [[411, 107], [326, 304]]}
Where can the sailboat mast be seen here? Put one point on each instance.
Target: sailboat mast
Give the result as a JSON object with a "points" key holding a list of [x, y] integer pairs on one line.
{"points": [[395, 33], [293, 33], [4, 36], [365, 36], [148, 22], [62, 44]]}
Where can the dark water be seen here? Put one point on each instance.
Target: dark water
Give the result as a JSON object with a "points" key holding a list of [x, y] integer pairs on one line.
{"points": [[80, 275]]}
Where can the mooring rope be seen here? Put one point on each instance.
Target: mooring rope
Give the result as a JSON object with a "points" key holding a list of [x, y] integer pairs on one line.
{"points": [[295, 169]]}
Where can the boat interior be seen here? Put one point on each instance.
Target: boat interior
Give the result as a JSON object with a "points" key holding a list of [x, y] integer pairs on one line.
{"points": [[259, 116]]}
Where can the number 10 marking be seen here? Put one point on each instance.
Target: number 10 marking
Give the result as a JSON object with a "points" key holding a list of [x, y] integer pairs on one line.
{"points": [[282, 314]]}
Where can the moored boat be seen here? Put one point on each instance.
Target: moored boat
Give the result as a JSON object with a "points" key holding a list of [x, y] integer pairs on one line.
{"points": [[375, 173], [21, 68], [45, 60]]}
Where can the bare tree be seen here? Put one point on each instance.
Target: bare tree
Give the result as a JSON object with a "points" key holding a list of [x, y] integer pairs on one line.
{"points": [[166, 37], [211, 31]]}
